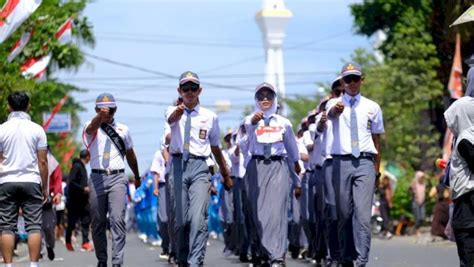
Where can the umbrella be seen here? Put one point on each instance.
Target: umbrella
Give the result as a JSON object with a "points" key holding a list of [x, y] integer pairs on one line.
{"points": [[465, 17]]}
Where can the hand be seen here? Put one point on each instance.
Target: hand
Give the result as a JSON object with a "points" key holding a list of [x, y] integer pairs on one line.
{"points": [[298, 192], [156, 192], [87, 190], [137, 181], [339, 107], [304, 157], [257, 117], [297, 167], [56, 199], [228, 183], [213, 191], [45, 195], [180, 109]]}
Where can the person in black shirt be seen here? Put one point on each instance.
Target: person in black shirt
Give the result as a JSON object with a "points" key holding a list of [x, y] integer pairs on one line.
{"points": [[78, 201]]}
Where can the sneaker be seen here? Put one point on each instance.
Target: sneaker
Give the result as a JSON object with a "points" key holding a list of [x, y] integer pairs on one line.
{"points": [[51, 254], [142, 237], [69, 247], [388, 235], [172, 258], [244, 257], [87, 247], [227, 252], [164, 255]]}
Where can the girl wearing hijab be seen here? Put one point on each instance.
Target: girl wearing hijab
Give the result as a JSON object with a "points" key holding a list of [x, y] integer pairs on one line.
{"points": [[418, 189], [271, 142]]}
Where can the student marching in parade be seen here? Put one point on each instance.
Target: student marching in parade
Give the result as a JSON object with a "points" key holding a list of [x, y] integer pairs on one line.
{"points": [[109, 143], [195, 134], [271, 141], [357, 125]]}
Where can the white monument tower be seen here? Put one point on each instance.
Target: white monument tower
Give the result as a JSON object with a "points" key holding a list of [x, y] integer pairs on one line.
{"points": [[272, 20]]}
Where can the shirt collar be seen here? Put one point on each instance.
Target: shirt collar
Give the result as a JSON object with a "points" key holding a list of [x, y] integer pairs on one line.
{"points": [[347, 98], [195, 109], [19, 115]]}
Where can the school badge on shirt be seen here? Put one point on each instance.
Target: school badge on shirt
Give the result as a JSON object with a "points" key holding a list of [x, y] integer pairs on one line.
{"points": [[202, 134], [269, 134]]}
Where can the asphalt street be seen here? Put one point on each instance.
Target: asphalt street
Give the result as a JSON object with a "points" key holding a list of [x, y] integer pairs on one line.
{"points": [[399, 251]]}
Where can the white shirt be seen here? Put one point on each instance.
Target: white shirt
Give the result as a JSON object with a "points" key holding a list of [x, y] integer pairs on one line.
{"points": [[302, 150], [20, 140], [316, 157], [327, 138], [205, 132], [307, 141], [286, 146], [104, 154], [237, 169], [369, 121], [158, 166]]}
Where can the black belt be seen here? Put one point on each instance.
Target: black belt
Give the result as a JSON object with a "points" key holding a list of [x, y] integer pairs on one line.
{"points": [[309, 171], [273, 158], [191, 156], [318, 167], [108, 172], [350, 156]]}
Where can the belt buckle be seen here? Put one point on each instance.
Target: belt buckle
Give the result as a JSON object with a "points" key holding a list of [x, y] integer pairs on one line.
{"points": [[108, 171]]}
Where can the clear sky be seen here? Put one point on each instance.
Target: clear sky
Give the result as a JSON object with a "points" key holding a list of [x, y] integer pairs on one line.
{"points": [[219, 40]]}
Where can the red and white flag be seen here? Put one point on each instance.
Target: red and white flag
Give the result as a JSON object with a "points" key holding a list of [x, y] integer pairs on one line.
{"points": [[36, 67], [13, 14], [64, 33], [455, 79], [20, 44]]}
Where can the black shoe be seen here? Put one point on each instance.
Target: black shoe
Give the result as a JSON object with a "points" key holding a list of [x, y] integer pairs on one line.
{"points": [[172, 258], [102, 264], [347, 264], [256, 261], [51, 254], [116, 265], [278, 263], [244, 257], [294, 251]]}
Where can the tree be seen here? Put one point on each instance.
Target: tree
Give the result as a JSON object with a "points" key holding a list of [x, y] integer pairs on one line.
{"points": [[44, 95]]}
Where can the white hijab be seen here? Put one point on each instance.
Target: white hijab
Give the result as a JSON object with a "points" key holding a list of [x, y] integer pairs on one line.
{"points": [[273, 109]]}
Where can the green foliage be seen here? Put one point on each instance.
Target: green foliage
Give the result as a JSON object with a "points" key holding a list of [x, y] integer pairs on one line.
{"points": [[299, 107], [44, 23]]}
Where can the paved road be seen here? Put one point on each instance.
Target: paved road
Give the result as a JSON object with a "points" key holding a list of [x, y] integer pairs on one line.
{"points": [[399, 251]]}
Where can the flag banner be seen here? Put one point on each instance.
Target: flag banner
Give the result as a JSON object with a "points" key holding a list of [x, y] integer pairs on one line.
{"points": [[64, 33], [467, 16], [35, 67], [55, 110], [455, 79], [13, 14], [20, 44]]}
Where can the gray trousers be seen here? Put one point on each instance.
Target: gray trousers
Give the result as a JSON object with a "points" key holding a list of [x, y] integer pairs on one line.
{"points": [[163, 218], [240, 230], [332, 239], [320, 246], [268, 190], [226, 214], [354, 181], [48, 226], [108, 195], [190, 184]]}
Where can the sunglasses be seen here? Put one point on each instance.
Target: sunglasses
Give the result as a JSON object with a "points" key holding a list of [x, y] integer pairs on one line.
{"points": [[189, 87], [351, 78], [262, 96], [112, 111]]}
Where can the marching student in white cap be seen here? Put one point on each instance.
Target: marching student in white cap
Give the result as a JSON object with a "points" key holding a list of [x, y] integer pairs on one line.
{"points": [[357, 125], [109, 143], [195, 134], [271, 142]]}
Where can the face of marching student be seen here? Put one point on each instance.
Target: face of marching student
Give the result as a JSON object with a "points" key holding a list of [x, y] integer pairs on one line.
{"points": [[265, 98], [190, 93]]}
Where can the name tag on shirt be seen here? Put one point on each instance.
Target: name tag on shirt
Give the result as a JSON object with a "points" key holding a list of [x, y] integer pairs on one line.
{"points": [[269, 134], [202, 134]]}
